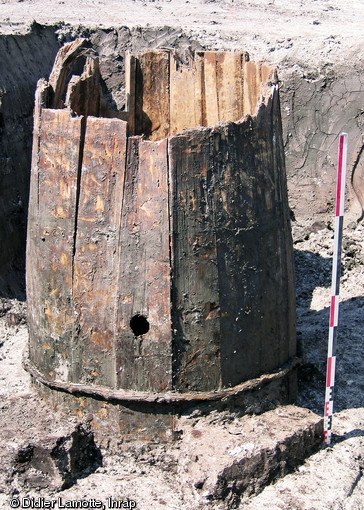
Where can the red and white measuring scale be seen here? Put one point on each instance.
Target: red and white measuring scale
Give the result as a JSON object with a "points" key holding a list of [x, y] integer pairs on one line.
{"points": [[334, 308]]}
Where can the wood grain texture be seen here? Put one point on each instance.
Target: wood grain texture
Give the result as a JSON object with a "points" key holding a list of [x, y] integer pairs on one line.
{"points": [[152, 112], [195, 291], [210, 87], [51, 242], [233, 287], [144, 362], [96, 258], [186, 235]]}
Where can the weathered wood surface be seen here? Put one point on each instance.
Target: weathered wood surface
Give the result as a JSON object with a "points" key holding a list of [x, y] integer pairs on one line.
{"points": [[195, 291], [166, 96], [161, 264], [97, 240], [68, 57], [51, 242], [100, 241], [83, 94], [233, 289], [145, 362], [114, 396]]}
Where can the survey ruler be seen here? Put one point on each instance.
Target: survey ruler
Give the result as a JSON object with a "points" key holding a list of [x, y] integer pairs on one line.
{"points": [[335, 286]]}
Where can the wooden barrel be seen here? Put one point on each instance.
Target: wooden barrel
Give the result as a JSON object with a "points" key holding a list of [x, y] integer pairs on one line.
{"points": [[159, 254]]}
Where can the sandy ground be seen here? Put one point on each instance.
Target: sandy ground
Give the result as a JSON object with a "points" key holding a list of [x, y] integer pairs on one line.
{"points": [[311, 35]]}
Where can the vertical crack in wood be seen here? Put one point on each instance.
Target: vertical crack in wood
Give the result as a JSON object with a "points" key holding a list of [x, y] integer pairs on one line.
{"points": [[203, 94], [78, 190], [119, 298], [219, 116]]}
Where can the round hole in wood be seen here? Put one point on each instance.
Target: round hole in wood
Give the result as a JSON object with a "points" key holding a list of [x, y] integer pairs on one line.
{"points": [[139, 325]]}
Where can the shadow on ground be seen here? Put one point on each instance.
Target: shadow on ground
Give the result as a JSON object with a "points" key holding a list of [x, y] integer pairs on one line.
{"points": [[313, 271]]}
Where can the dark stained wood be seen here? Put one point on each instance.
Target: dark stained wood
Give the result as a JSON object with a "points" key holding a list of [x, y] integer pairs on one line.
{"points": [[195, 290], [252, 232], [130, 97], [33, 281], [144, 362], [232, 263]]}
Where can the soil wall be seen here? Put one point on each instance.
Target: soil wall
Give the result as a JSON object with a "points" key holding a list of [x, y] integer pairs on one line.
{"points": [[315, 109], [23, 60]]}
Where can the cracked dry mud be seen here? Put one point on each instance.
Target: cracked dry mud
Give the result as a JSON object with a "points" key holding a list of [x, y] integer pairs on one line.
{"points": [[318, 49]]}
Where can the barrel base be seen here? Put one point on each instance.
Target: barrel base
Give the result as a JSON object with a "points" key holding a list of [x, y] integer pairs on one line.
{"points": [[131, 416]]}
